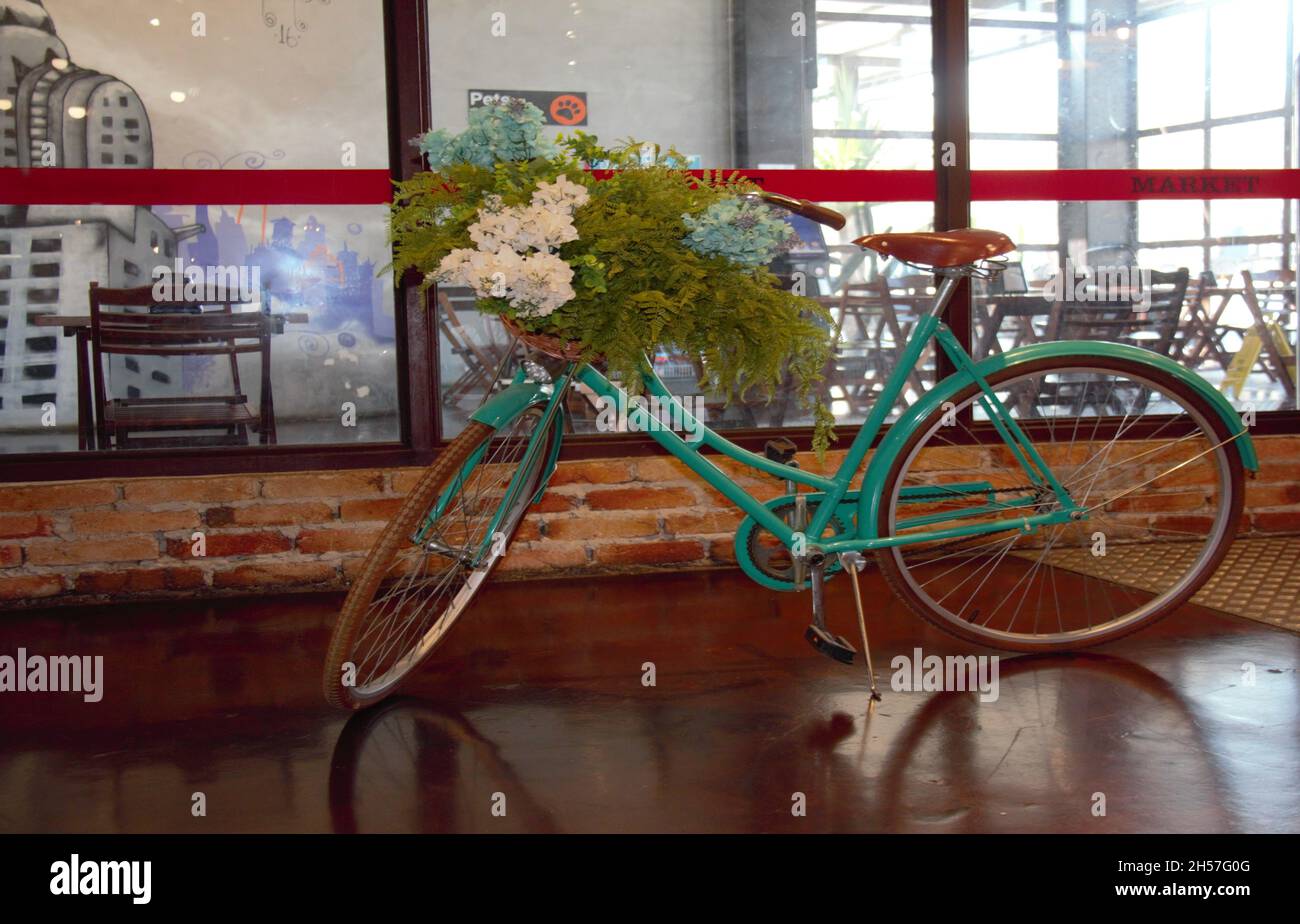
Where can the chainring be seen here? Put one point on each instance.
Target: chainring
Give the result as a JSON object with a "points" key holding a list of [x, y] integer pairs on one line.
{"points": [[769, 556]]}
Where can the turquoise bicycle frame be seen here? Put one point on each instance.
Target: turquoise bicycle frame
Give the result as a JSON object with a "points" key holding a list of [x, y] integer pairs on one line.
{"points": [[834, 490]]}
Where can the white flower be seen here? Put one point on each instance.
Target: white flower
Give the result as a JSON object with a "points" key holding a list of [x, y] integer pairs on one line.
{"points": [[513, 256], [560, 195]]}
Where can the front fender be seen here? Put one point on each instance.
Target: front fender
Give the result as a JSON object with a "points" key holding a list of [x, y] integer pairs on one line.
{"points": [[512, 401], [873, 483]]}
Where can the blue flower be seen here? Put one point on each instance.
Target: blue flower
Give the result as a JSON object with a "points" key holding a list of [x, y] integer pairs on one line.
{"points": [[739, 230], [500, 132]]}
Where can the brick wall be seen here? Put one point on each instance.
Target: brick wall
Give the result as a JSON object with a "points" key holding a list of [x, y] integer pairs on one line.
{"points": [[127, 538]]}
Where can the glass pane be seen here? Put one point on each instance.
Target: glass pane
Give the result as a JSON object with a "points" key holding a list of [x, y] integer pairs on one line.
{"points": [[1248, 48], [729, 85], [874, 103], [1118, 85], [301, 284], [1249, 145], [1221, 304]]}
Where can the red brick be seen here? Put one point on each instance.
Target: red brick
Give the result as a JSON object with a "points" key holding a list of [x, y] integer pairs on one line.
{"points": [[270, 514], [703, 521], [953, 458], [24, 526], [82, 551], [762, 489], [57, 496], [662, 552], [379, 509], [350, 539], [1277, 521], [133, 521], [1154, 503], [323, 484], [542, 557], [276, 574], [1271, 495], [1274, 471], [29, 586], [603, 526], [405, 479], [722, 551], [663, 468], [11, 555], [554, 503], [529, 530], [138, 580], [179, 490], [221, 545], [639, 498], [604, 471]]}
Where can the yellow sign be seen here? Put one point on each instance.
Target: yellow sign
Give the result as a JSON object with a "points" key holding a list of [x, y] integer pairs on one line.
{"points": [[1244, 360]]}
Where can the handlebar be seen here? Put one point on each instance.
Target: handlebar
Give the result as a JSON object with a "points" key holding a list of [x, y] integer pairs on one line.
{"points": [[818, 213]]}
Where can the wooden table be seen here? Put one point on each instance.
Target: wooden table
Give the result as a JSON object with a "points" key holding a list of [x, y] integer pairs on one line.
{"points": [[78, 325]]}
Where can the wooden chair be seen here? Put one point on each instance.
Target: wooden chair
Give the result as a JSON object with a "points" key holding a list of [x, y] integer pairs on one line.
{"points": [[1153, 326], [160, 329], [481, 360]]}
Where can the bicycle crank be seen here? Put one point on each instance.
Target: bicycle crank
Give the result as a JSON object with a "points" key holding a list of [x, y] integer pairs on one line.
{"points": [[826, 642]]}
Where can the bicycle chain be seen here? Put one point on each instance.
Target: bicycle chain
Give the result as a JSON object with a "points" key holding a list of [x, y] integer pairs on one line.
{"points": [[956, 542]]}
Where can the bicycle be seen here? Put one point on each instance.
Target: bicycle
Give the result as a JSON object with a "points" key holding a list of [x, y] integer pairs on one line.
{"points": [[964, 548]]}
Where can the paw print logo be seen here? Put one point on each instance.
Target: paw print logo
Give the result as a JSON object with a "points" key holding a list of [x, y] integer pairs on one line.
{"points": [[568, 109]]}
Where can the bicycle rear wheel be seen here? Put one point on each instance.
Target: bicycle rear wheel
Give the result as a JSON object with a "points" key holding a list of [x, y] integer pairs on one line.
{"points": [[408, 594], [1147, 456]]}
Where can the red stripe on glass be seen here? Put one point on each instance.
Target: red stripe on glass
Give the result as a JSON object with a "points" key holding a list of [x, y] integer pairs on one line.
{"points": [[59, 186], [66, 186]]}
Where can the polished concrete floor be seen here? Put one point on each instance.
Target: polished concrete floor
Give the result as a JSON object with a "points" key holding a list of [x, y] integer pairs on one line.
{"points": [[537, 707]]}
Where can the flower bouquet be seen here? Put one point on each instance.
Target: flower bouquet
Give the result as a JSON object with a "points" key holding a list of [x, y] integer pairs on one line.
{"points": [[611, 252]]}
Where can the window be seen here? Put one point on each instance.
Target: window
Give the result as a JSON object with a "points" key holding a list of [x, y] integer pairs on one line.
{"points": [[1165, 86], [314, 269], [1152, 88], [728, 86]]}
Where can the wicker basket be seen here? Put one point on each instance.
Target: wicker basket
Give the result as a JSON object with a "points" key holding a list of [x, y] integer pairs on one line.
{"points": [[544, 343]]}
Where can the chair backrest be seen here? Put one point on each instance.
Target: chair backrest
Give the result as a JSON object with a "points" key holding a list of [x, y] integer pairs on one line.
{"points": [[133, 322], [1153, 326]]}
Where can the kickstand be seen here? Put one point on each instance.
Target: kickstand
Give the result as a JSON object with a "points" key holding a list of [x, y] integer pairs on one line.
{"points": [[851, 563]]}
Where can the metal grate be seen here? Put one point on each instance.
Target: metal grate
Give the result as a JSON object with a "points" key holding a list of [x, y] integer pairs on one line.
{"points": [[1259, 579]]}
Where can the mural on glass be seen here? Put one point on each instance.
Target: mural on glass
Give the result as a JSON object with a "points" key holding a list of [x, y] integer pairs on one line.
{"points": [[246, 87]]}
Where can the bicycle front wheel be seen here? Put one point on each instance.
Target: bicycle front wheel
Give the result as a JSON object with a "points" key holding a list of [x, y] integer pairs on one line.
{"points": [[432, 557], [1145, 455]]}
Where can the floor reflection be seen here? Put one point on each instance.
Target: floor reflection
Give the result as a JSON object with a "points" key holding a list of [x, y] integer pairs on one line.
{"points": [[538, 700]]}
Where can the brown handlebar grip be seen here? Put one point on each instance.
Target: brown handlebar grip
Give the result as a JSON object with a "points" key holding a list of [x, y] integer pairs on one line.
{"points": [[817, 213], [821, 214]]}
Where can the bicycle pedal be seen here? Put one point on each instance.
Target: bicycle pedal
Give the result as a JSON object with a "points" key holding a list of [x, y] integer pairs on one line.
{"points": [[781, 450], [833, 646]]}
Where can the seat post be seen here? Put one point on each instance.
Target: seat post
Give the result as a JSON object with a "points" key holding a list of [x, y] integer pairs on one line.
{"points": [[944, 295]]}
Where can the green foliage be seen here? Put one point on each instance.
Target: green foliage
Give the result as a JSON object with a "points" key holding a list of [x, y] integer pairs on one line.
{"points": [[638, 286]]}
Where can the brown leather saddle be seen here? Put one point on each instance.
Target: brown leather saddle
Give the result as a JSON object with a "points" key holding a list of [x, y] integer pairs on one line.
{"points": [[939, 248]]}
